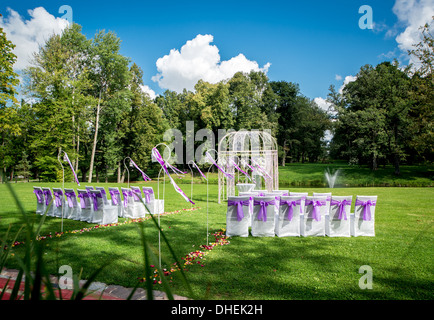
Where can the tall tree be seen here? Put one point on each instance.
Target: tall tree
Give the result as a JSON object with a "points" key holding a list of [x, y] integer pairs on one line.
{"points": [[109, 75], [8, 102]]}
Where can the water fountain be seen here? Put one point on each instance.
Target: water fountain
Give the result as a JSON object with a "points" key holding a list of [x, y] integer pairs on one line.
{"points": [[331, 177]]}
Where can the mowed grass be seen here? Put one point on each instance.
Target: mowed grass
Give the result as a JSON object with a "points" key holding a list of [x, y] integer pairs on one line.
{"points": [[400, 255], [312, 175]]}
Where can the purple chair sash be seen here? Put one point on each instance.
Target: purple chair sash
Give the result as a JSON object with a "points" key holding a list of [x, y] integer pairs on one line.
{"points": [[69, 196], [114, 195], [239, 204], [58, 198], [147, 193], [82, 201], [136, 193], [315, 204], [38, 193], [262, 215], [47, 194], [94, 197], [367, 208], [290, 204], [126, 193], [341, 204]]}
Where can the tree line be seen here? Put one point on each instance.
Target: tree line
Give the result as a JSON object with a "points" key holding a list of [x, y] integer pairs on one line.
{"points": [[85, 98]]}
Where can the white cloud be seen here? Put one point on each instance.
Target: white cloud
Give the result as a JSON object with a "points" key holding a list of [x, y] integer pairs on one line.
{"points": [[322, 103], [149, 91], [347, 80], [28, 35], [196, 60], [338, 77], [412, 14]]}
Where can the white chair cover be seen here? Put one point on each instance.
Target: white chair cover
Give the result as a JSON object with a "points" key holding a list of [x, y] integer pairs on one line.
{"points": [[288, 219], [155, 206], [116, 200], [303, 196], [250, 195], [314, 216], [97, 204], [364, 216], [88, 188], [139, 208], [103, 193], [238, 216], [328, 199], [40, 200], [49, 207], [263, 216], [102, 213], [282, 192], [339, 217], [59, 202], [85, 205], [72, 210]]}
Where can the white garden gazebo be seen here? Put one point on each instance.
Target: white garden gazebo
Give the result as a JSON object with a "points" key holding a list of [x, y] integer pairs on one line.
{"points": [[254, 152]]}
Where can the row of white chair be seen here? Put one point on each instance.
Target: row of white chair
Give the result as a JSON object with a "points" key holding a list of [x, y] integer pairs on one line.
{"points": [[93, 205], [284, 214]]}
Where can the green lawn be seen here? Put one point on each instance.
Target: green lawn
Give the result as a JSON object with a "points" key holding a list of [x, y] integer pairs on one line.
{"points": [[312, 175], [400, 255]]}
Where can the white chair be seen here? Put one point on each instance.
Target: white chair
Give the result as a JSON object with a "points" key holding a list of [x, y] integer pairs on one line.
{"points": [[284, 193], [40, 200], [116, 200], [303, 196], [263, 216], [72, 209], [314, 216], [238, 216], [339, 217], [102, 213], [250, 195], [88, 188], [103, 193], [288, 219], [327, 217], [139, 208], [85, 205], [49, 203], [59, 202], [364, 216], [128, 202], [155, 206]]}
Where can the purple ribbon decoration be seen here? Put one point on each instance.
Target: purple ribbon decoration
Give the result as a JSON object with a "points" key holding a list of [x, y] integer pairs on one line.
{"points": [[341, 204], [218, 167], [58, 198], [126, 193], [367, 208], [69, 196], [239, 204], [240, 170], [47, 194], [290, 204], [94, 197], [261, 169], [262, 215], [315, 204], [82, 200], [161, 161], [144, 175], [114, 195], [136, 193], [38, 193], [67, 159], [195, 165], [147, 193]]}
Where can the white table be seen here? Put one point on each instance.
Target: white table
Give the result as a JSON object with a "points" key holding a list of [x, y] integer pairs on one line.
{"points": [[245, 187]]}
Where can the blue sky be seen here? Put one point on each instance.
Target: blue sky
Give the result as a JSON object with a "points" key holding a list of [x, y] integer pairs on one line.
{"points": [[312, 43]]}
